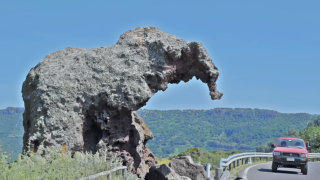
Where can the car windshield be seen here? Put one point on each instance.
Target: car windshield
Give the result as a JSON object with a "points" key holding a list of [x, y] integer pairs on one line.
{"points": [[291, 143]]}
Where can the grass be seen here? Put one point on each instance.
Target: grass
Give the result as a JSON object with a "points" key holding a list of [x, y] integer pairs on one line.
{"points": [[163, 161], [57, 165]]}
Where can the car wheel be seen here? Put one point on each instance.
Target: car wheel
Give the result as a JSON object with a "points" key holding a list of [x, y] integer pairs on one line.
{"points": [[304, 169], [274, 167]]}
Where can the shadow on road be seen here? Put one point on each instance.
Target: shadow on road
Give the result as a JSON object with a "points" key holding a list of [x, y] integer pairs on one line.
{"points": [[279, 171]]}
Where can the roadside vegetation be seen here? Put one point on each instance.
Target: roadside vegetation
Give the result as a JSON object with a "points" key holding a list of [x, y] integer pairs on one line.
{"points": [[312, 135], [56, 165]]}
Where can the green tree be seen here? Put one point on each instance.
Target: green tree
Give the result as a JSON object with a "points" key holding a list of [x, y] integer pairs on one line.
{"points": [[312, 135]]}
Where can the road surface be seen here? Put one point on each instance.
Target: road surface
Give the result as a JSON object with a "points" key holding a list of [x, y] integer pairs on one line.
{"points": [[263, 172]]}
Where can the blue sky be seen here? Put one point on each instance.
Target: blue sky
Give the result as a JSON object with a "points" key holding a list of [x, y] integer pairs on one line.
{"points": [[268, 52]]}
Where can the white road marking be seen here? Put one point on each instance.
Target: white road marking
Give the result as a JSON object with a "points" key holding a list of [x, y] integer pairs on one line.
{"points": [[245, 172]]}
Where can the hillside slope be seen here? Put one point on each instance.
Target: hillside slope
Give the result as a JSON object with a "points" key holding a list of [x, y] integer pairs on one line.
{"points": [[11, 130], [220, 128], [177, 130]]}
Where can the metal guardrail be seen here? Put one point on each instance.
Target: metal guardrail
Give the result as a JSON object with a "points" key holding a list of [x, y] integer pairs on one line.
{"points": [[234, 159], [314, 155], [246, 158], [109, 173]]}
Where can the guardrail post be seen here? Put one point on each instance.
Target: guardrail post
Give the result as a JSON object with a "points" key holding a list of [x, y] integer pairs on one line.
{"points": [[219, 172], [208, 166], [124, 174], [249, 161], [242, 161], [234, 164], [237, 162], [222, 163]]}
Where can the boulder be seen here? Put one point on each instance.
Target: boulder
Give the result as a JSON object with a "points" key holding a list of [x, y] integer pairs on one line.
{"points": [[85, 99], [164, 172], [181, 167], [184, 166]]}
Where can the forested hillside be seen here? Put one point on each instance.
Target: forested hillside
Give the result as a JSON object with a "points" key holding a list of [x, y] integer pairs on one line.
{"points": [[221, 128], [11, 130], [177, 130]]}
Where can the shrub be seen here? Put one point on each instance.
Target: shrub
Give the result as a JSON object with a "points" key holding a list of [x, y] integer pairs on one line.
{"points": [[56, 165], [312, 135]]}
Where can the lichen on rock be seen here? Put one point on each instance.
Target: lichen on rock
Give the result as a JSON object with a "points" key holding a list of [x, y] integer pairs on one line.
{"points": [[85, 99]]}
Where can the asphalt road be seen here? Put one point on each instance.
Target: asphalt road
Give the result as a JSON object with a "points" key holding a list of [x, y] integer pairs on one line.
{"points": [[263, 172]]}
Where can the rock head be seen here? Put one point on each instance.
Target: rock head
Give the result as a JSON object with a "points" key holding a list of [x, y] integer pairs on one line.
{"points": [[85, 99]]}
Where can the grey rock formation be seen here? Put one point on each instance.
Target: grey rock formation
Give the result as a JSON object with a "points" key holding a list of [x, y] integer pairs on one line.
{"points": [[184, 166], [164, 172], [85, 99], [181, 167]]}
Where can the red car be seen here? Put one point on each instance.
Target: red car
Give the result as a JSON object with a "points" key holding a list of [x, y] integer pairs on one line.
{"points": [[291, 153]]}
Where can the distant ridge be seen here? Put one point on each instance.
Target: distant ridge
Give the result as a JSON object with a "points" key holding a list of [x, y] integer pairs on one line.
{"points": [[227, 109], [11, 110], [21, 110], [177, 130], [11, 130], [219, 128]]}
